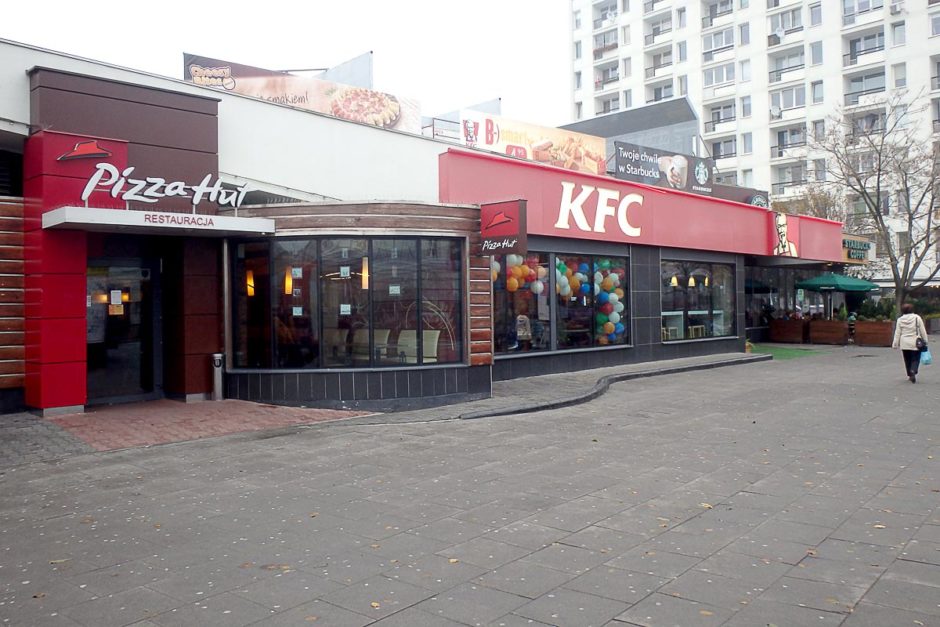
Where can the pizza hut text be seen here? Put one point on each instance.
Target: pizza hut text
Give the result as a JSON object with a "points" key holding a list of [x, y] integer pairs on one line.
{"points": [[153, 188], [572, 206]]}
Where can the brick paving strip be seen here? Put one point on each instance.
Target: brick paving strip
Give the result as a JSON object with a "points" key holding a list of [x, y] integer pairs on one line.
{"points": [[166, 421]]}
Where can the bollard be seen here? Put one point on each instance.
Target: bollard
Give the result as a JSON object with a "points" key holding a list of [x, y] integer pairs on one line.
{"points": [[217, 360]]}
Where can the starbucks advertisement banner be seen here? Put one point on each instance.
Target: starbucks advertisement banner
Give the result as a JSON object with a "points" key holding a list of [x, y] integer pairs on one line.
{"points": [[651, 166]]}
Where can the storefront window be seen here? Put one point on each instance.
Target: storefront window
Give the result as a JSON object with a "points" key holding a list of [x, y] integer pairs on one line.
{"points": [[697, 300], [251, 289], [521, 315], [296, 311], [610, 298], [333, 303], [574, 285]]}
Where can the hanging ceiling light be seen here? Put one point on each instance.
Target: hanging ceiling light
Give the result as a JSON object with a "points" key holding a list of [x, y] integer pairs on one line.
{"points": [[691, 281], [250, 282], [288, 281], [674, 281]]}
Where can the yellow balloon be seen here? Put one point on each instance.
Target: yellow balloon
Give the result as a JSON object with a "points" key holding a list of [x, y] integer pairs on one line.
{"points": [[607, 284], [609, 327], [494, 274], [575, 284], [569, 272], [512, 284], [516, 272], [618, 292], [602, 340]]}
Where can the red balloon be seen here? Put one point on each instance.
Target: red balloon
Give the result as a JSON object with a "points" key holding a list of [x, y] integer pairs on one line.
{"points": [[532, 276], [606, 308]]}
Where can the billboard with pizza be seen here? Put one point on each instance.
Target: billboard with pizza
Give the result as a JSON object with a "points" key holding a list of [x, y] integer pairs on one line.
{"points": [[357, 104], [551, 146]]}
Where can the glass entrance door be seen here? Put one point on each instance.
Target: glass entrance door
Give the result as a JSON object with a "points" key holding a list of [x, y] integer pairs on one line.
{"points": [[122, 332]]}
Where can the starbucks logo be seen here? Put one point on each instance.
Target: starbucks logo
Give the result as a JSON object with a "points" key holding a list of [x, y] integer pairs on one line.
{"points": [[759, 200], [701, 173]]}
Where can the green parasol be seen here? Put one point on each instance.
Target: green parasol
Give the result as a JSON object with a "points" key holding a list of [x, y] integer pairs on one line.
{"points": [[832, 282]]}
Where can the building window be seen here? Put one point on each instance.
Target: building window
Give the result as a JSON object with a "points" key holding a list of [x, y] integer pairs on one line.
{"points": [[787, 21], [586, 314], [627, 67], [698, 300], [342, 302], [898, 34], [577, 20], [680, 17], [747, 177], [628, 98], [683, 85], [681, 51], [745, 71], [790, 98], [715, 42], [745, 4], [816, 53], [745, 31], [747, 142], [577, 50], [746, 107], [819, 169], [815, 14], [900, 75], [819, 130], [719, 75], [817, 88], [521, 301], [725, 148], [935, 24], [578, 110], [577, 80]]}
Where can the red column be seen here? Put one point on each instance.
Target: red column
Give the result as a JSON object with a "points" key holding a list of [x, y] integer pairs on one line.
{"points": [[56, 168]]}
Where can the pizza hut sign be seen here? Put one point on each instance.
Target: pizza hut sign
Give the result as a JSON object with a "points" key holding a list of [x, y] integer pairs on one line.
{"points": [[607, 203], [153, 188]]}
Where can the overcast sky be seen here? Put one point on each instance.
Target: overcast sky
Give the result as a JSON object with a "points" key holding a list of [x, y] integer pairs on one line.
{"points": [[445, 53]]}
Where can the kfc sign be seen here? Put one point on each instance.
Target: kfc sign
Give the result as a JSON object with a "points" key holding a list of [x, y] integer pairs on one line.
{"points": [[153, 188], [606, 203]]}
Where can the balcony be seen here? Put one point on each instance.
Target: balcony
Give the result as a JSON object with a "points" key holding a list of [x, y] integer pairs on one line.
{"points": [[934, 82], [775, 76], [709, 20], [780, 150], [852, 58], [650, 39], [725, 155], [861, 18], [651, 6], [773, 4], [602, 84], [724, 90], [787, 188], [778, 39], [608, 21], [709, 55], [856, 98], [651, 71], [604, 51], [713, 126]]}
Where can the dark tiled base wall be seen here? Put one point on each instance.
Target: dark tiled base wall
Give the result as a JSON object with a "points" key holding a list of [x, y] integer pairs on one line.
{"points": [[382, 390], [535, 365], [12, 401]]}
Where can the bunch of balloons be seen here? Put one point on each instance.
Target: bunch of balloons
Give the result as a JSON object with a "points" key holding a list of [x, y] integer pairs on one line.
{"points": [[608, 301], [521, 273]]}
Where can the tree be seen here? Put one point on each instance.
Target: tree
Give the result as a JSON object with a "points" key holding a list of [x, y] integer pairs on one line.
{"points": [[886, 173], [819, 201]]}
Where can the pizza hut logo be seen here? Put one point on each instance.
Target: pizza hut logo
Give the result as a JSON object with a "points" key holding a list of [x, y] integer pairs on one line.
{"points": [[86, 150]]}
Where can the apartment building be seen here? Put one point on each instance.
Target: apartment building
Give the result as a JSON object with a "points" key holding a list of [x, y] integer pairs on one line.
{"points": [[762, 75]]}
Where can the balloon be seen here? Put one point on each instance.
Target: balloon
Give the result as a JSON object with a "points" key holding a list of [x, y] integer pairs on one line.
{"points": [[605, 264], [619, 328], [602, 340], [494, 266], [568, 272], [512, 284], [614, 317], [585, 289], [618, 307], [537, 287], [513, 260], [618, 292], [597, 289], [598, 277], [609, 327], [615, 279], [612, 337], [563, 281], [603, 297], [494, 274], [581, 276], [558, 288], [542, 272], [607, 284], [574, 283], [583, 267], [566, 290], [531, 275], [601, 318], [607, 308], [516, 272], [613, 298]]}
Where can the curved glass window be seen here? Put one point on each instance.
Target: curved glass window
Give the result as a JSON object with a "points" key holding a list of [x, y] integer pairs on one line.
{"points": [[697, 300], [347, 302]]}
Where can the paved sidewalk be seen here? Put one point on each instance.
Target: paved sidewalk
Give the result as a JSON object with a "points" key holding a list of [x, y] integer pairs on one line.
{"points": [[24, 438], [788, 493]]}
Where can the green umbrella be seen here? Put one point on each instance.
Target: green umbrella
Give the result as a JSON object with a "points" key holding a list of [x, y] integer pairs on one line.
{"points": [[832, 282]]}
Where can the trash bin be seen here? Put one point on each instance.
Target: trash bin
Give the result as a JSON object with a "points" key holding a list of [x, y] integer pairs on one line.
{"points": [[217, 360]]}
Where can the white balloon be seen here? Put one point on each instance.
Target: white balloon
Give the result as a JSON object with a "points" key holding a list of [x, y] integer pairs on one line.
{"points": [[566, 290], [613, 299], [614, 317], [618, 307], [598, 277], [495, 267], [580, 276], [597, 289], [537, 287], [563, 281]]}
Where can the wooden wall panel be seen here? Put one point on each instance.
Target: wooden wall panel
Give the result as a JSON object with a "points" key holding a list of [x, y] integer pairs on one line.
{"points": [[12, 320]]}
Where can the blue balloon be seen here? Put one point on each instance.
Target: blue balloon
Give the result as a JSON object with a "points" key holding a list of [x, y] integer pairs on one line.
{"points": [[585, 288], [619, 328], [603, 297], [583, 268], [612, 337]]}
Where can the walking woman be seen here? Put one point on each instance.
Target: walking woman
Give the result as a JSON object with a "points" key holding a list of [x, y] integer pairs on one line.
{"points": [[909, 327]]}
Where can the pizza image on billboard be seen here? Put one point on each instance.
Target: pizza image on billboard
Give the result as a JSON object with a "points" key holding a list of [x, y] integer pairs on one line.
{"points": [[366, 106]]}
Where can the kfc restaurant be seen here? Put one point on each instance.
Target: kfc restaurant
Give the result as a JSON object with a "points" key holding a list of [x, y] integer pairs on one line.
{"points": [[421, 273]]}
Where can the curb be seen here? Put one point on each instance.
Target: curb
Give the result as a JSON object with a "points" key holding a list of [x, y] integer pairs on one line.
{"points": [[603, 384]]}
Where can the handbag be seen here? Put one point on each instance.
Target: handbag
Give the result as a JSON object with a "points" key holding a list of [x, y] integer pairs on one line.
{"points": [[925, 357], [920, 344]]}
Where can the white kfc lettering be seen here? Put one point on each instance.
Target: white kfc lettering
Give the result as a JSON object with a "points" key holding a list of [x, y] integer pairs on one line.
{"points": [[608, 205]]}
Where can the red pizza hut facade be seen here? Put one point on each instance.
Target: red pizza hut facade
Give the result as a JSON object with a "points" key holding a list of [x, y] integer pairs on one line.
{"points": [[131, 262]]}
